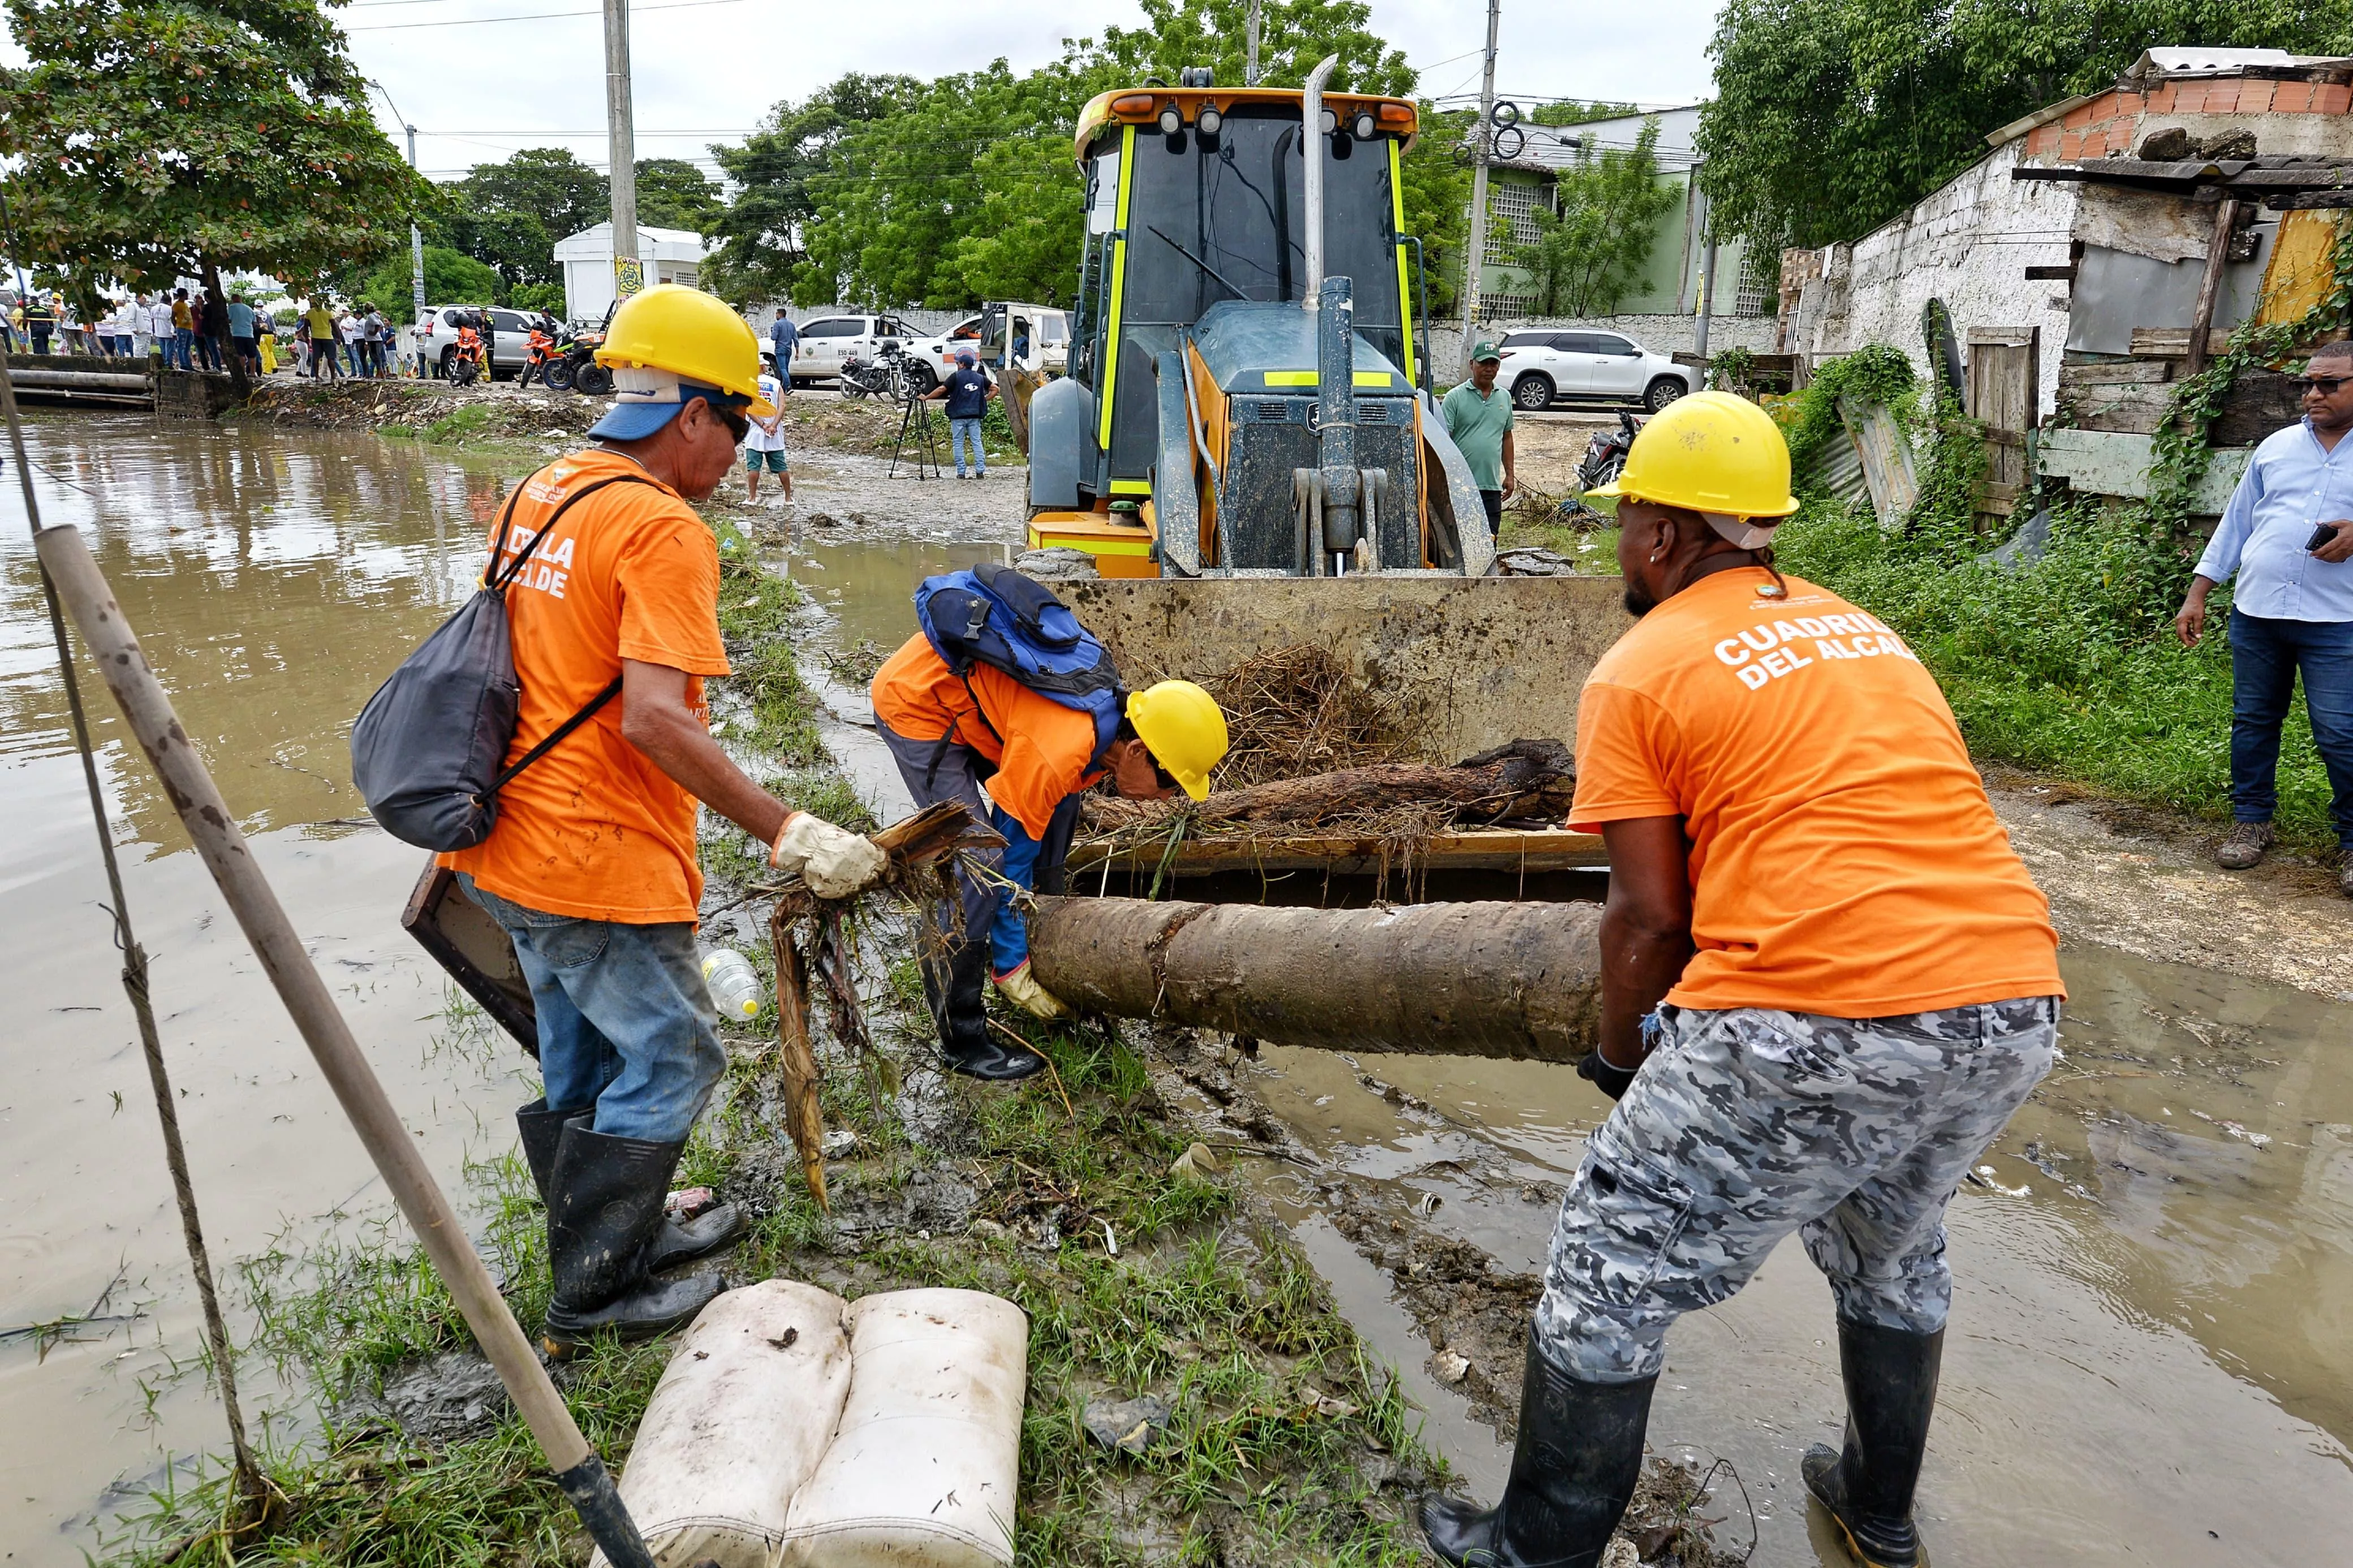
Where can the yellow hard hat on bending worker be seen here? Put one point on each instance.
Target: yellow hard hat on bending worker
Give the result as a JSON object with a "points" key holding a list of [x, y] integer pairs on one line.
{"points": [[1183, 728]]}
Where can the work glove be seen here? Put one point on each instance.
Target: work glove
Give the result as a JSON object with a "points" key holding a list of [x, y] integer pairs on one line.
{"points": [[1608, 1076], [833, 861], [1022, 989]]}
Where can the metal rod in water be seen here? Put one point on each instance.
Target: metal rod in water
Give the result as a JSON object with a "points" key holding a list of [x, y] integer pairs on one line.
{"points": [[148, 709]]}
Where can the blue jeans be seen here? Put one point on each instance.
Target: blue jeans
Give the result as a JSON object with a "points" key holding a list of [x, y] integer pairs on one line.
{"points": [[2266, 656], [624, 1022], [961, 431]]}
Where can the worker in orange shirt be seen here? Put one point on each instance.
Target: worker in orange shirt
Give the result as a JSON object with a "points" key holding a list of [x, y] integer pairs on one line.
{"points": [[1827, 982], [592, 868], [1004, 702]]}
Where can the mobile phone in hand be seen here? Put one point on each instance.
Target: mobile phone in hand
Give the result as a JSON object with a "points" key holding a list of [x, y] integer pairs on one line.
{"points": [[2320, 538]]}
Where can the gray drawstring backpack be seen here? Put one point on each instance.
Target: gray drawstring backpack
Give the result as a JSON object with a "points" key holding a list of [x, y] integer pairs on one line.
{"points": [[426, 747]]}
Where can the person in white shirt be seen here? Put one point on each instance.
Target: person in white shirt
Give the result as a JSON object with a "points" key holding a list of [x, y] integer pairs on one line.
{"points": [[764, 444], [131, 328], [159, 326]]}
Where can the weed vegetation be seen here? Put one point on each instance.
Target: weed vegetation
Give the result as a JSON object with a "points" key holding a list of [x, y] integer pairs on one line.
{"points": [[1284, 1443]]}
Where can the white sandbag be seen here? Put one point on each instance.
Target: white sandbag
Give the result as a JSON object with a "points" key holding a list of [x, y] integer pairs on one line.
{"points": [[925, 1464], [738, 1424]]}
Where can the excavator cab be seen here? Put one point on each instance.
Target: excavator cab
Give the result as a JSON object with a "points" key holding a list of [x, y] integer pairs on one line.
{"points": [[1248, 393]]}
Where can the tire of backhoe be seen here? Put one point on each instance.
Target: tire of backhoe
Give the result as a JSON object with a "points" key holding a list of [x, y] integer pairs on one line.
{"points": [[1663, 391], [1533, 392]]}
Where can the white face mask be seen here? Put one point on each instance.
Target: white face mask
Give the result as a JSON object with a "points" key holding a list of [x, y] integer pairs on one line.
{"points": [[1742, 532]]}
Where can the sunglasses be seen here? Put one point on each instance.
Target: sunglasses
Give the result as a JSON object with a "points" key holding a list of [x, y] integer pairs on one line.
{"points": [[2325, 385], [738, 425]]}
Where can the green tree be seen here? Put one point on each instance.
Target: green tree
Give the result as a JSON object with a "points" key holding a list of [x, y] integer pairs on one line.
{"points": [[1575, 111], [516, 244], [548, 182], [451, 277], [1587, 254], [156, 138], [1831, 116], [763, 235], [1438, 202], [1293, 35], [674, 193]]}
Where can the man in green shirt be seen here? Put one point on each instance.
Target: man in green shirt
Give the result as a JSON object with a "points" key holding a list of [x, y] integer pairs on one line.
{"points": [[1478, 417]]}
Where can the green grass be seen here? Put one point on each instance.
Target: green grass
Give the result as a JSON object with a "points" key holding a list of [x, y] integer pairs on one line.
{"points": [[2069, 666]]}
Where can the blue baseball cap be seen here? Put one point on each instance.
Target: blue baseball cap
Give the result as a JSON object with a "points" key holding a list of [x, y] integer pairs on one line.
{"points": [[646, 399], [964, 356]]}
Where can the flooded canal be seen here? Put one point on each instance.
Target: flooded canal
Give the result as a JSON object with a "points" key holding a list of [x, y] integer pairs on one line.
{"points": [[2152, 1350]]}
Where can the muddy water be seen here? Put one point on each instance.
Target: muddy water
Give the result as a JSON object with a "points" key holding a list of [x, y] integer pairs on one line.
{"points": [[2149, 1358], [273, 581]]}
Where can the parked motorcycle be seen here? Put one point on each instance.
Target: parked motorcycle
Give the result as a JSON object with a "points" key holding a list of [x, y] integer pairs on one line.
{"points": [[880, 376], [1604, 460], [546, 361], [579, 368], [464, 363]]}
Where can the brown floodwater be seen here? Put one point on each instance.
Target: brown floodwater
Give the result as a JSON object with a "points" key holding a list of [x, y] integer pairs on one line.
{"points": [[2152, 1353]]}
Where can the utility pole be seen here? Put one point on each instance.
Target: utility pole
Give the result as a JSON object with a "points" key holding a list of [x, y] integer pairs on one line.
{"points": [[1475, 253], [629, 275], [1249, 58], [1706, 273], [415, 245]]}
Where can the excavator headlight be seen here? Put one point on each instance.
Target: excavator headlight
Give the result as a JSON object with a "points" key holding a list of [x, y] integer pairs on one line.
{"points": [[1172, 119], [1363, 126], [1328, 123], [1209, 122]]}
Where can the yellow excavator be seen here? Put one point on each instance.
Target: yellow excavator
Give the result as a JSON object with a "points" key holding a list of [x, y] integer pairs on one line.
{"points": [[1249, 400]]}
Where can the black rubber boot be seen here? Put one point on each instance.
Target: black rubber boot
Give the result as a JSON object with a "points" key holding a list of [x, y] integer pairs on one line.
{"points": [[956, 986], [1573, 1472], [605, 1198], [1891, 1393], [677, 1241]]}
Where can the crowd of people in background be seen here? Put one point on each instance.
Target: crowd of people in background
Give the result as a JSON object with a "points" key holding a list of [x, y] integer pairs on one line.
{"points": [[187, 329]]}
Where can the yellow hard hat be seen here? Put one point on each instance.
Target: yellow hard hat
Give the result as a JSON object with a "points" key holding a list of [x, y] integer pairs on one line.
{"points": [[692, 336], [1712, 452], [1183, 726]]}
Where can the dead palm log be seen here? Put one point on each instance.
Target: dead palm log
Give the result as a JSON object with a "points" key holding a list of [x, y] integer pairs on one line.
{"points": [[1511, 981]]}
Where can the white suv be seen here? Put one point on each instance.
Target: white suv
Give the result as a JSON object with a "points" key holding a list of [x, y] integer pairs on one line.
{"points": [[1541, 368], [437, 339], [826, 341]]}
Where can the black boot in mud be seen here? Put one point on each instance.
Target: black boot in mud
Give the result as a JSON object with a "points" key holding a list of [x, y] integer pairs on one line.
{"points": [[1891, 1393], [955, 987], [604, 1197], [1573, 1472], [677, 1241]]}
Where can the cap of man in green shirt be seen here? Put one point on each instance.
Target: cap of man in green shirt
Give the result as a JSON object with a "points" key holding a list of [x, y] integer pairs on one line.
{"points": [[1478, 417]]}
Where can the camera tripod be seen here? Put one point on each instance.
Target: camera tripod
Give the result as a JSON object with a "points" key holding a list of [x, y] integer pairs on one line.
{"points": [[915, 420]]}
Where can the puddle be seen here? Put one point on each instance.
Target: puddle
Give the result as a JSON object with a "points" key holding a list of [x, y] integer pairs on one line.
{"points": [[2147, 1346]]}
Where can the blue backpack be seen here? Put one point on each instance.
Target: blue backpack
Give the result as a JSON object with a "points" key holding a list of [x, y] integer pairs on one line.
{"points": [[994, 615]]}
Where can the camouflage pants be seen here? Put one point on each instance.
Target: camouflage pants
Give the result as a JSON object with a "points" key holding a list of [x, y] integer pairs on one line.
{"points": [[1747, 1124]]}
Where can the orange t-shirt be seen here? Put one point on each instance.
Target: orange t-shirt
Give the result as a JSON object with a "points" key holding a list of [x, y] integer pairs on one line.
{"points": [[594, 828], [1844, 859], [1040, 748]]}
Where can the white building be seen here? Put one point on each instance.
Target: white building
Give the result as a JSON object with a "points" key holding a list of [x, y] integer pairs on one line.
{"points": [[670, 255]]}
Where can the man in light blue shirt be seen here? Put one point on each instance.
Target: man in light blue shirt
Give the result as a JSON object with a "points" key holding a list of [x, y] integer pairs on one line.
{"points": [[2287, 536]]}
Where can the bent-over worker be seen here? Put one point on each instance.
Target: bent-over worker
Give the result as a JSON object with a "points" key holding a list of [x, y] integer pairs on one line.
{"points": [[591, 869], [1020, 760], [1827, 982]]}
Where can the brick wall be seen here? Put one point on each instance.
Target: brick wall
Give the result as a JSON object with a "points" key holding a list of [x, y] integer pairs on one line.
{"points": [[2113, 124]]}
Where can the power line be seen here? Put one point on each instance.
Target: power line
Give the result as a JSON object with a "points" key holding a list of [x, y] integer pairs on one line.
{"points": [[531, 16]]}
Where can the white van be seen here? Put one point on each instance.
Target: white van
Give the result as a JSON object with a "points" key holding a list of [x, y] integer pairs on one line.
{"points": [[826, 341]]}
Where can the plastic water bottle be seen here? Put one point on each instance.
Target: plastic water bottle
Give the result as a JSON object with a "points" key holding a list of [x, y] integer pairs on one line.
{"points": [[734, 984]]}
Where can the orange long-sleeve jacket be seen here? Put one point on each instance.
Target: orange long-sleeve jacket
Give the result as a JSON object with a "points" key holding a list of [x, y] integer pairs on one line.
{"points": [[1042, 749]]}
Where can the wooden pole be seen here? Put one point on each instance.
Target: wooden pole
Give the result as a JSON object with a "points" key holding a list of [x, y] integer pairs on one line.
{"points": [[90, 603], [2210, 286]]}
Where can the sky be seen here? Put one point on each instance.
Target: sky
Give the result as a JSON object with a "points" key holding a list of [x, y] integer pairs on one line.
{"points": [[708, 70]]}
